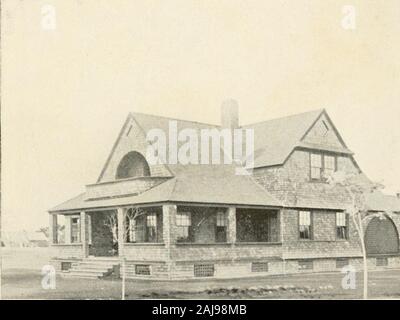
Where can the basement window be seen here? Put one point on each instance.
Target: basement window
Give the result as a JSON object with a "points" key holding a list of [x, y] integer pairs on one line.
{"points": [[203, 270], [382, 262], [306, 265], [342, 262], [142, 269], [66, 265], [259, 267]]}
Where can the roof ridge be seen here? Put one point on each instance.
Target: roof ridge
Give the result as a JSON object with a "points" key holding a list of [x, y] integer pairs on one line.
{"points": [[215, 125], [320, 110], [171, 118]]}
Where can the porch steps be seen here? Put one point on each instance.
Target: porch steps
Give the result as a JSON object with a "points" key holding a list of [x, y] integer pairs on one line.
{"points": [[92, 268]]}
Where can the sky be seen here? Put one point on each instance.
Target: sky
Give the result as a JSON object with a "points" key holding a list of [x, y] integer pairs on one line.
{"points": [[72, 70]]}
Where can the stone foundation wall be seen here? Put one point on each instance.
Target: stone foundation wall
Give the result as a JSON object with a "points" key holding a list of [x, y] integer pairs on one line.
{"points": [[243, 269], [66, 251], [145, 252]]}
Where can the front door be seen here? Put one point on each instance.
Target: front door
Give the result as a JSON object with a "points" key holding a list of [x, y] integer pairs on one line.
{"points": [[103, 234]]}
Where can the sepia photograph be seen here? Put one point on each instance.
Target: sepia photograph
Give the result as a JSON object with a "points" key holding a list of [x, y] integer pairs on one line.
{"points": [[200, 150]]}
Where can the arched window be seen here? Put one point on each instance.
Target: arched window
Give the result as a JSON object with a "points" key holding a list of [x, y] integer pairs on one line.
{"points": [[133, 164], [381, 236]]}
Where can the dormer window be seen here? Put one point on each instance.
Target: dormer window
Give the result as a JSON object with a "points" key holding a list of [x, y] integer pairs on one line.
{"points": [[321, 165]]}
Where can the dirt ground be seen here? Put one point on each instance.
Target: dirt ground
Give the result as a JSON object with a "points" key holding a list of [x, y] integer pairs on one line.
{"points": [[21, 279]]}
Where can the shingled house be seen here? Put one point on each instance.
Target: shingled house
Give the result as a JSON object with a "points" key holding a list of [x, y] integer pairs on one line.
{"points": [[184, 221]]}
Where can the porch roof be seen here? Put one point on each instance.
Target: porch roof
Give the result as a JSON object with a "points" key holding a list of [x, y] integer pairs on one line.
{"points": [[208, 184], [379, 201]]}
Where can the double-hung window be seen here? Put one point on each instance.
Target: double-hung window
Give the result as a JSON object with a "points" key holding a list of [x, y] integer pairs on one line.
{"points": [[151, 227], [222, 223], [316, 166], [305, 225], [329, 165], [321, 166], [184, 224], [131, 229], [75, 230], [341, 225]]}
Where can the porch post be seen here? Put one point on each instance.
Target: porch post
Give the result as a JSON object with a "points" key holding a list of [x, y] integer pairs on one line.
{"points": [[67, 229], [121, 230], [168, 217], [84, 234], [53, 228], [231, 224]]}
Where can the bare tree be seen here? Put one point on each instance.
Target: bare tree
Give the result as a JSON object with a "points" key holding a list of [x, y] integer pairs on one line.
{"points": [[357, 189], [132, 214], [44, 230], [111, 222]]}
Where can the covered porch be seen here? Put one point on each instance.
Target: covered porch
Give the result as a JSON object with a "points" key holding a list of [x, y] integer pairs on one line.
{"points": [[135, 231]]}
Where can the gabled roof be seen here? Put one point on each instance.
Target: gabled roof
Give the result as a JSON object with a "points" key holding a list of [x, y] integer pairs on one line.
{"points": [[275, 139], [148, 122]]}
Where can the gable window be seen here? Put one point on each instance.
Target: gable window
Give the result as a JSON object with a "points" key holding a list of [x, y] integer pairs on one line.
{"points": [[75, 230], [132, 165], [184, 226], [322, 166], [316, 166], [326, 127], [221, 226], [341, 225], [329, 165], [305, 225]]}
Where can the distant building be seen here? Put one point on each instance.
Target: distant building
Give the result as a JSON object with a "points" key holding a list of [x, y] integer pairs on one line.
{"points": [[24, 239]]}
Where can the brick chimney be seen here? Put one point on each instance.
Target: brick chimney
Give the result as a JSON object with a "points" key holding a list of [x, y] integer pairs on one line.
{"points": [[230, 114]]}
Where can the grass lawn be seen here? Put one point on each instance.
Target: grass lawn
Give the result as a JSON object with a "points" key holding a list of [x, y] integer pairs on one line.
{"points": [[26, 284], [21, 279]]}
